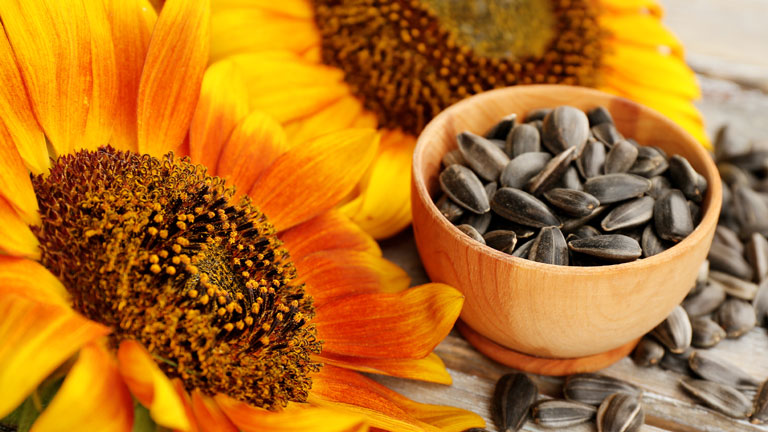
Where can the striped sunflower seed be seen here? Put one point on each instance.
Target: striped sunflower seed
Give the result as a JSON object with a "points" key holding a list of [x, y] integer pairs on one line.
{"points": [[449, 209], [574, 202], [453, 157], [734, 286], [592, 388], [706, 333], [464, 188], [677, 362], [549, 247], [630, 214], [705, 300], [611, 188], [714, 369], [565, 127], [685, 178], [592, 160], [620, 158], [471, 232], [675, 331], [561, 413], [607, 133], [757, 255], [620, 412], [501, 129], [651, 243], [725, 259], [736, 316], [671, 215], [729, 238], [501, 240], [719, 397], [523, 208], [650, 162], [553, 171], [599, 115], [512, 399], [659, 185], [483, 156], [523, 250], [569, 225], [570, 180], [648, 352], [491, 189], [611, 247], [537, 114], [523, 138], [523, 168]]}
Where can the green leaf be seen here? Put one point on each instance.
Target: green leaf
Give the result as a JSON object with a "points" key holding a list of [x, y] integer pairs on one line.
{"points": [[23, 417]]}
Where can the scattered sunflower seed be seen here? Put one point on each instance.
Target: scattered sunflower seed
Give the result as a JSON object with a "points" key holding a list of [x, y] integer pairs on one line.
{"points": [[757, 255], [726, 259], [648, 352], [675, 331], [736, 316], [706, 333], [733, 286], [705, 300], [620, 412], [512, 399], [561, 413], [592, 388], [713, 369], [719, 397], [760, 406]]}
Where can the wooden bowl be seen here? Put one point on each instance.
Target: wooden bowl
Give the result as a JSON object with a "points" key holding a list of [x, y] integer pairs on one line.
{"points": [[519, 311]]}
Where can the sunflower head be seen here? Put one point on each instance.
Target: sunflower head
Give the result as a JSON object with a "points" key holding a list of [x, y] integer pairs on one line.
{"points": [[155, 250]]}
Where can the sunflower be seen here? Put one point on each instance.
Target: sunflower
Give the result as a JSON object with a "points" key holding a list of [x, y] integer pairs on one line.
{"points": [[138, 288], [321, 65]]}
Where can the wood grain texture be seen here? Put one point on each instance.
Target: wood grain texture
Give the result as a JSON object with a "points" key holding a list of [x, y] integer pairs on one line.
{"points": [[545, 310]]}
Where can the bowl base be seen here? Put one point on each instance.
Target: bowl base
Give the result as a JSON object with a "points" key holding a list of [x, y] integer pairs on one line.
{"points": [[542, 365]]}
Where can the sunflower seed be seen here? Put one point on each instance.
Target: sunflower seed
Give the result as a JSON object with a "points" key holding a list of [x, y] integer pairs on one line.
{"points": [[733, 286], [565, 127], [607, 133], [736, 316], [501, 129], [479, 222], [611, 188], [685, 178], [574, 202], [549, 247], [611, 247], [484, 157], [706, 333], [757, 255], [647, 352], [723, 258], [571, 224], [754, 160], [501, 240], [585, 231], [651, 243], [620, 412], [552, 172], [729, 238], [749, 207], [512, 398], [599, 115], [453, 157], [449, 209], [705, 300], [592, 159], [711, 368], [501, 144], [719, 397], [523, 138], [523, 208], [760, 406], [760, 303], [537, 114], [675, 331], [677, 362], [659, 185], [630, 214], [523, 168], [695, 210], [734, 175], [592, 388], [650, 162], [561, 414], [471, 232], [672, 217], [728, 144], [523, 250], [490, 189], [570, 180], [620, 158], [464, 188]]}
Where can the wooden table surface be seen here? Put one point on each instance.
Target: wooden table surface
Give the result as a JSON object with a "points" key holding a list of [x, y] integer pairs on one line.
{"points": [[727, 45]]}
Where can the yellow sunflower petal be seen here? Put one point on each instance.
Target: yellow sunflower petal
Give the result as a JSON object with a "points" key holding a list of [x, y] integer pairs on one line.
{"points": [[252, 30], [150, 386], [15, 236], [331, 275], [445, 418], [222, 105], [172, 75], [642, 30], [383, 207], [257, 141], [337, 116], [35, 339], [132, 23], [186, 400], [312, 177], [209, 416], [66, 56], [651, 6], [291, 8], [408, 324], [15, 184], [329, 231], [16, 112], [30, 279], [295, 418], [93, 397], [429, 368]]}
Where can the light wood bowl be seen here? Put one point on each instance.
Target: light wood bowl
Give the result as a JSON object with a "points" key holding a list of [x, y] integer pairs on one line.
{"points": [[539, 310]]}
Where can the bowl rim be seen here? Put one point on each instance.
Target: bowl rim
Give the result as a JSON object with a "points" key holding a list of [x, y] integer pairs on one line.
{"points": [[709, 219]]}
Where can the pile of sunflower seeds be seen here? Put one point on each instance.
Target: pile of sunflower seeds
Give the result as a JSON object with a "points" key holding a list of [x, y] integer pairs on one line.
{"points": [[730, 296], [565, 187]]}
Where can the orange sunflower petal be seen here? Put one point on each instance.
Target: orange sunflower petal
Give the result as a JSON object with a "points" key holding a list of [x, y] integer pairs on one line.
{"points": [[329, 231], [332, 275], [132, 23], [93, 397], [445, 418], [336, 116], [312, 177], [257, 141], [150, 386], [222, 105], [407, 324], [16, 112], [15, 184], [186, 400], [172, 76], [429, 368], [209, 416], [66, 56], [294, 418], [15, 236], [383, 207], [36, 338], [28, 278]]}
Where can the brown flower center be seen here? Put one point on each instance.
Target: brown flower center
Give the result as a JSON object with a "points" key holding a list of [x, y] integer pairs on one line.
{"points": [[407, 60], [156, 250]]}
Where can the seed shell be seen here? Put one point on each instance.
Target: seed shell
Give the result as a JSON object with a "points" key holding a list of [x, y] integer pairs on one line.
{"points": [[705, 300], [611, 188], [592, 160], [559, 414], [620, 412], [706, 333], [565, 127], [523, 208], [736, 316], [570, 179], [677, 362], [672, 217], [648, 352], [523, 168], [501, 240], [464, 188], [523, 250], [675, 331], [607, 133], [650, 162], [549, 247], [512, 399], [719, 397], [685, 178], [471, 232], [714, 369], [553, 171], [574, 202], [599, 115], [630, 214], [620, 158], [592, 388], [570, 225], [483, 156], [612, 247], [523, 138], [491, 189]]}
